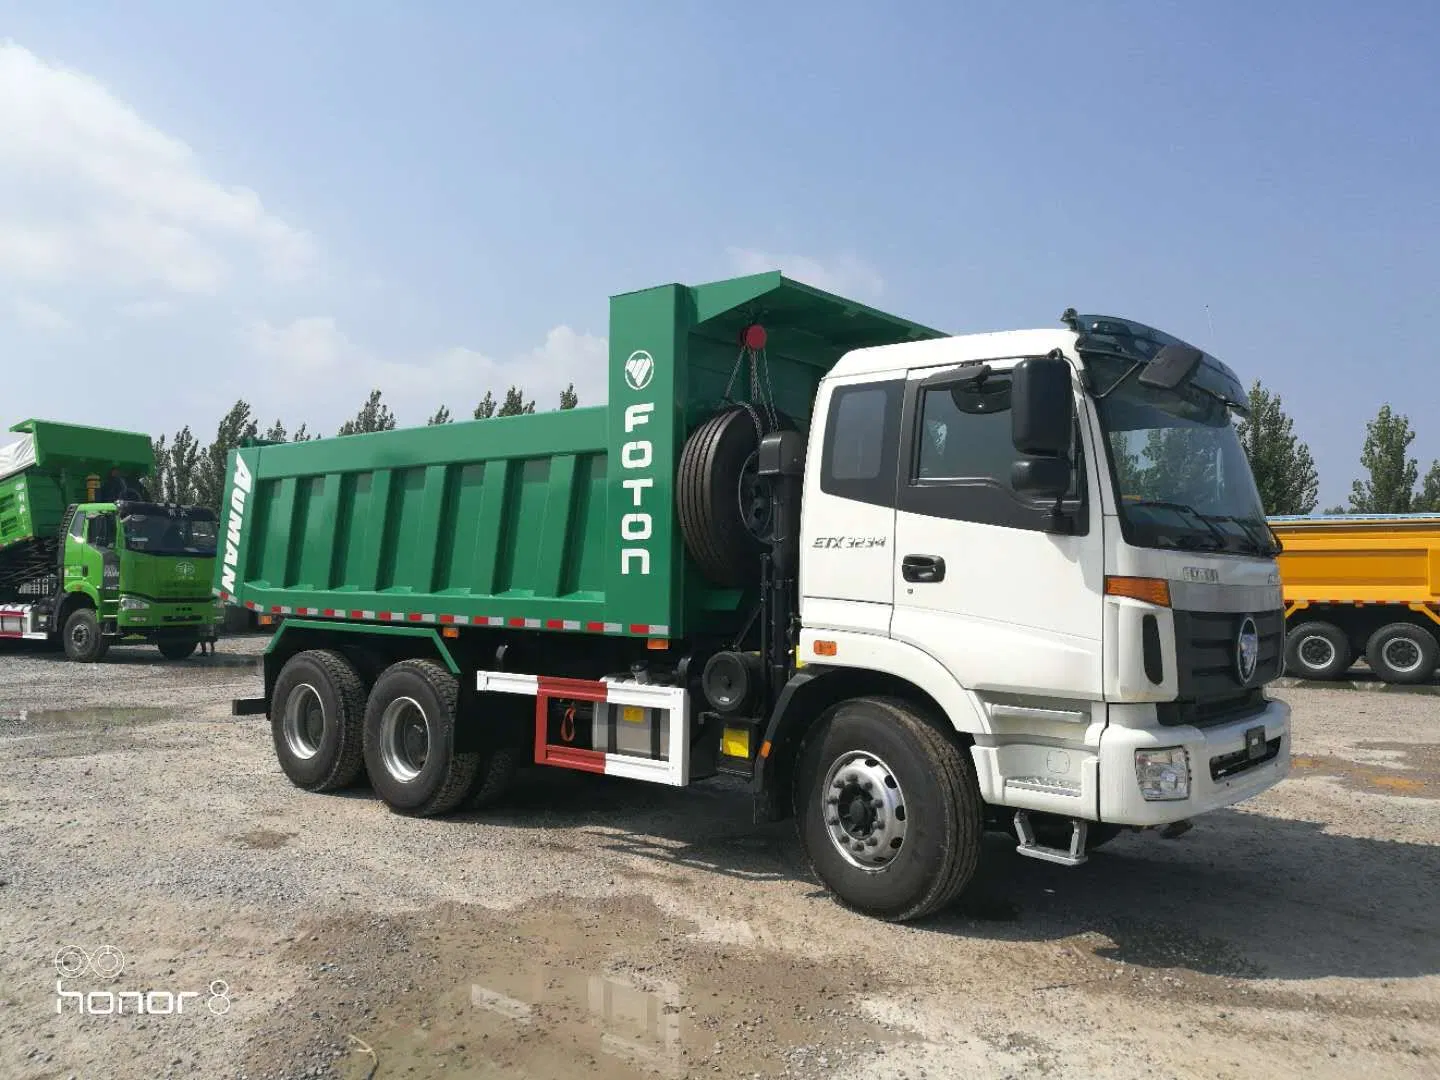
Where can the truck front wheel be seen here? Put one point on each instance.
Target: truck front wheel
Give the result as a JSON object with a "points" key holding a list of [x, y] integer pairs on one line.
{"points": [[888, 809], [317, 710], [177, 648], [83, 641], [410, 744]]}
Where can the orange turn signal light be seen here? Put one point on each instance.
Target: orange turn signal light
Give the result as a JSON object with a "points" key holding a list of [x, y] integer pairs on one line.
{"points": [[1151, 590], [825, 648]]}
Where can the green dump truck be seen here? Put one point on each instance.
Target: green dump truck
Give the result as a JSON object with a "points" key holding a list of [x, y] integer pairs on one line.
{"points": [[910, 586], [87, 556]]}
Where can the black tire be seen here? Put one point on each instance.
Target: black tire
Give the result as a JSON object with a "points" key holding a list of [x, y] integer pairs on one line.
{"points": [[716, 459], [317, 714], [931, 782], [1317, 650], [493, 778], [411, 753], [177, 648], [83, 641], [1402, 653]]}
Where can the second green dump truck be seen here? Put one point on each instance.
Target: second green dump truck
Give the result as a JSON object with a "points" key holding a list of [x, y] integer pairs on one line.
{"points": [[86, 556], [909, 586]]}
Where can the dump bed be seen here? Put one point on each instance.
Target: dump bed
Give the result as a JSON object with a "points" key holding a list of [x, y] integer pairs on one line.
{"points": [[1340, 558], [52, 466], [525, 521]]}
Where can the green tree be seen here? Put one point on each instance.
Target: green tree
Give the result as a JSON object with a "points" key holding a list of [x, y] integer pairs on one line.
{"points": [[301, 434], [486, 409], [515, 403], [275, 433], [568, 398], [237, 426], [374, 415], [182, 468], [1284, 470], [1390, 486], [442, 416], [161, 452], [1428, 501]]}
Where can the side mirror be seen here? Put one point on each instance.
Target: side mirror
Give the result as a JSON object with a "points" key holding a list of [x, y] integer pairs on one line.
{"points": [[1172, 366], [1042, 403], [1041, 477]]}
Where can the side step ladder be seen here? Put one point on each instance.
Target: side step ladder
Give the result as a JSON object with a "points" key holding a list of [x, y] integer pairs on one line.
{"points": [[1029, 846]]}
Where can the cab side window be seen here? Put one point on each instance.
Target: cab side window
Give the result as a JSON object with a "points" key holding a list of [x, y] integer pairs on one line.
{"points": [[77, 526], [102, 532], [862, 441], [961, 453]]}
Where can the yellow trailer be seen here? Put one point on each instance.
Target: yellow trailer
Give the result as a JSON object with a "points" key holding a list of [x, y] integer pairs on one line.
{"points": [[1361, 585]]}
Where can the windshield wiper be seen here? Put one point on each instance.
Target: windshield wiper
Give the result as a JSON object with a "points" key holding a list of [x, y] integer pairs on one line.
{"points": [[1186, 508], [1261, 546]]}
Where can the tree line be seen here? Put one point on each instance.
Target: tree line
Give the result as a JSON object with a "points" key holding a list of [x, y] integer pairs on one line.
{"points": [[1289, 483], [192, 473]]}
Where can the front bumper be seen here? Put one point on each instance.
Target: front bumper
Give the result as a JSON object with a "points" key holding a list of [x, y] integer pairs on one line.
{"points": [[1221, 771]]}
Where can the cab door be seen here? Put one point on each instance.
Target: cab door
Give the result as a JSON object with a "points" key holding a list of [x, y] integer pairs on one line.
{"points": [[72, 559], [100, 559], [984, 581]]}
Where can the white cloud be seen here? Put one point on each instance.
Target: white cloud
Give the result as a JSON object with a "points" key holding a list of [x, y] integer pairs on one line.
{"points": [[325, 375], [34, 315], [146, 309], [91, 193], [844, 274]]}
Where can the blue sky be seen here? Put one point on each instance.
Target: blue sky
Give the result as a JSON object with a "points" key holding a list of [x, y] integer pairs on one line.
{"points": [[292, 202]]}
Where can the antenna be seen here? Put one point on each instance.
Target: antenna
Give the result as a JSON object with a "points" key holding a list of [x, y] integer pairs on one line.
{"points": [[1210, 319]]}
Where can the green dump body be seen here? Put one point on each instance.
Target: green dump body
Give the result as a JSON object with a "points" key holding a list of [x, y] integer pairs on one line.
{"points": [[559, 521], [55, 470]]}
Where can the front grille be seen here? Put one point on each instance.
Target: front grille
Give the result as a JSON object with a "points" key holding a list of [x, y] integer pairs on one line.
{"points": [[1209, 713], [1205, 644]]}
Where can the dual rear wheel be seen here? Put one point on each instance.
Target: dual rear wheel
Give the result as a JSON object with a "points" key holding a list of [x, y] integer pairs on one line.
{"points": [[1399, 652], [329, 733]]}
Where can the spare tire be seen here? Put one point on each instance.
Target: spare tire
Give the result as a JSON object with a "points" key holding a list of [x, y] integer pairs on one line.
{"points": [[717, 474]]}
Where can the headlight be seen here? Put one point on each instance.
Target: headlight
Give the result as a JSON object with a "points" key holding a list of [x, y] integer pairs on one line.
{"points": [[1164, 774], [129, 603]]}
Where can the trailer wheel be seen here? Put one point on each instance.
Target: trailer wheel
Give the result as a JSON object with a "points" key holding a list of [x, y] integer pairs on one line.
{"points": [[720, 500], [83, 640], [888, 809], [1317, 650], [317, 713], [1402, 653], [410, 745]]}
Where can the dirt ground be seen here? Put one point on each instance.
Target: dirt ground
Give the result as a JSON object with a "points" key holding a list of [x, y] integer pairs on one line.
{"points": [[150, 848]]}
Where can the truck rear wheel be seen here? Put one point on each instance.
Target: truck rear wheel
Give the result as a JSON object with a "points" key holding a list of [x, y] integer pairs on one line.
{"points": [[83, 641], [888, 809], [493, 778], [1402, 653], [1317, 650], [723, 508], [410, 744], [317, 712]]}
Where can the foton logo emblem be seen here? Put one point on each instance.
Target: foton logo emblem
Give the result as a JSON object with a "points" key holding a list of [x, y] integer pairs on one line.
{"points": [[639, 370], [240, 485]]}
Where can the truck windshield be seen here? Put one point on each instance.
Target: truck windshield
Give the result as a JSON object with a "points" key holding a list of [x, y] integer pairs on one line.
{"points": [[161, 534], [1181, 475]]}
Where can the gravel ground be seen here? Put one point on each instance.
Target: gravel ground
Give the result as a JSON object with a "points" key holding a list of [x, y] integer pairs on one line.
{"points": [[604, 928]]}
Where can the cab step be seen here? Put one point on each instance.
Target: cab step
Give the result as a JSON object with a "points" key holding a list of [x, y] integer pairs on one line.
{"points": [[1028, 845]]}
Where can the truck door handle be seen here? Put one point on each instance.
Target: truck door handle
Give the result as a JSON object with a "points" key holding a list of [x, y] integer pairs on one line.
{"points": [[922, 569]]}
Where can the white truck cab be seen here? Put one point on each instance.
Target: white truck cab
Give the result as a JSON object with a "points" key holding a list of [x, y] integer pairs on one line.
{"points": [[1055, 535]]}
